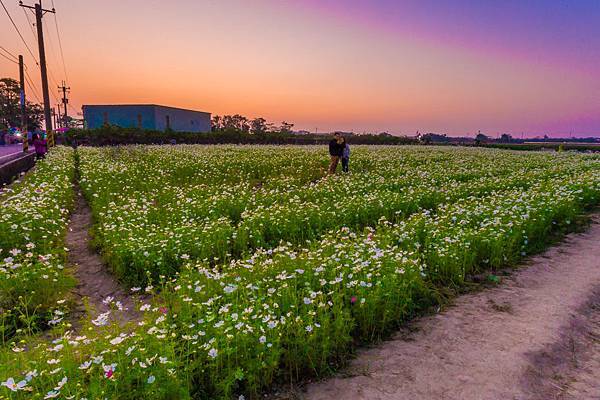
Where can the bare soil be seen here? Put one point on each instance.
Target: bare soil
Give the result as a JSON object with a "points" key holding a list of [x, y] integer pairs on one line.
{"points": [[534, 336], [95, 282]]}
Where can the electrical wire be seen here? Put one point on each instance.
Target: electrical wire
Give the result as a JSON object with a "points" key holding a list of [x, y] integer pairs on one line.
{"points": [[49, 70], [30, 24], [32, 89], [9, 59], [14, 58], [32, 86], [62, 55], [51, 46], [18, 31]]}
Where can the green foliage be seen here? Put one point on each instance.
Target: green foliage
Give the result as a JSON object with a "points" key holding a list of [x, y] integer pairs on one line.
{"points": [[301, 269], [33, 221], [10, 109], [256, 133]]}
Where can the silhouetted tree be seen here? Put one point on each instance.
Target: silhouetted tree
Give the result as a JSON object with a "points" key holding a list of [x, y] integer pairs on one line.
{"points": [[258, 126], [286, 127], [10, 108]]}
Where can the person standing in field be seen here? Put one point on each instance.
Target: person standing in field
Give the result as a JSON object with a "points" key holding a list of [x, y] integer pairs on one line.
{"points": [[345, 155], [336, 150]]}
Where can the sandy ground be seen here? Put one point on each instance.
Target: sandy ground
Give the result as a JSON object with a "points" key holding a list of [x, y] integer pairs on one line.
{"points": [[95, 282], [535, 336]]}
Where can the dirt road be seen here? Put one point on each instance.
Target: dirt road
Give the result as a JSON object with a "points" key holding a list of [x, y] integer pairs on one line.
{"points": [[535, 336], [95, 282]]}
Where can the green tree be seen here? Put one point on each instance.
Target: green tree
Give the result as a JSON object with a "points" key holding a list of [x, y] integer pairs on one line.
{"points": [[10, 109]]}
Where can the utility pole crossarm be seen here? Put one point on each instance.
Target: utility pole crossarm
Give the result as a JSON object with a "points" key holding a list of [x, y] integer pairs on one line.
{"points": [[53, 11]]}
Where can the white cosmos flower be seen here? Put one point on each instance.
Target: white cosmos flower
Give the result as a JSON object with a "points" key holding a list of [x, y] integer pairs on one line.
{"points": [[85, 365], [117, 340], [14, 386], [51, 394]]}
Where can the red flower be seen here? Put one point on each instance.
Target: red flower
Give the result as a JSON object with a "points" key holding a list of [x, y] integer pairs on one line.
{"points": [[352, 299], [164, 310], [109, 373]]}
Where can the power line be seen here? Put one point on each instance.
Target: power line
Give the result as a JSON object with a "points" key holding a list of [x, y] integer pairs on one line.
{"points": [[8, 58], [52, 77], [32, 85], [15, 58], [18, 31], [33, 90], [62, 55], [31, 24]]}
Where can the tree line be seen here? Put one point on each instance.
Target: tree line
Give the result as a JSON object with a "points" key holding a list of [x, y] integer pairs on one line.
{"points": [[10, 107], [243, 124]]}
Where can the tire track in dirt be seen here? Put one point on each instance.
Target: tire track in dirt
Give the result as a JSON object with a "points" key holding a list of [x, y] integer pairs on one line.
{"points": [[94, 282], [535, 336]]}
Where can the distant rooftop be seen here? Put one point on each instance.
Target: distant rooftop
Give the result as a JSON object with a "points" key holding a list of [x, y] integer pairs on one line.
{"points": [[143, 105]]}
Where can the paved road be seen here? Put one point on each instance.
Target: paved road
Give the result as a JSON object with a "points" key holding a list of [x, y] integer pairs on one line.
{"points": [[10, 149]]}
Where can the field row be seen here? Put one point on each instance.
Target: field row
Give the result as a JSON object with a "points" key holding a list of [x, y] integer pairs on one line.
{"points": [[153, 222], [33, 221], [325, 264]]}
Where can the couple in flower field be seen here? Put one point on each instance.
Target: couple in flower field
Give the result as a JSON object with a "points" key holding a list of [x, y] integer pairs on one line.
{"points": [[339, 149]]}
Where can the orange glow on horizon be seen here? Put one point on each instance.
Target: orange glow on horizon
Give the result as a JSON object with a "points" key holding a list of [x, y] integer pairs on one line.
{"points": [[282, 61]]}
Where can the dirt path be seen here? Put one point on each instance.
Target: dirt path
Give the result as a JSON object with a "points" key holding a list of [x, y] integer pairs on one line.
{"points": [[535, 336], [95, 282]]}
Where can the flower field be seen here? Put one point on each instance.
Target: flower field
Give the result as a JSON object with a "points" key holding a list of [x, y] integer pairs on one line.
{"points": [[260, 271], [33, 220]]}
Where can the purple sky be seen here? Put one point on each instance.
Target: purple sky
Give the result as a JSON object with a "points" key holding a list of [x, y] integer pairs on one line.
{"points": [[448, 66]]}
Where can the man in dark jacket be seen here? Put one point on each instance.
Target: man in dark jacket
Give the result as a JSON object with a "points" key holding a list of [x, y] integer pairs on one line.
{"points": [[336, 150]]}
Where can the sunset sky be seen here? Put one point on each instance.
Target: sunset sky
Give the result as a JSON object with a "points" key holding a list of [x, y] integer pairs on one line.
{"points": [[448, 66]]}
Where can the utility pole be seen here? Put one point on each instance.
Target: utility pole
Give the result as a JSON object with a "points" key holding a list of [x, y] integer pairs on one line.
{"points": [[56, 116], [54, 119], [65, 101], [39, 13], [22, 100]]}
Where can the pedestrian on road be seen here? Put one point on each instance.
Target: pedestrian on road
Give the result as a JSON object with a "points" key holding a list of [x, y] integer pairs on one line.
{"points": [[41, 146]]}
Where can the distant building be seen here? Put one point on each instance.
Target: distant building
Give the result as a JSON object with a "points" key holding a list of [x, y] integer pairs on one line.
{"points": [[146, 116]]}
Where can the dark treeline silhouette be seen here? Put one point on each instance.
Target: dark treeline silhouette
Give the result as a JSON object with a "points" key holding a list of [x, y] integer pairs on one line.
{"points": [[113, 135]]}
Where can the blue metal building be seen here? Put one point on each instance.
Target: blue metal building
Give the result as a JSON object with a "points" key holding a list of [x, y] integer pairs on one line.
{"points": [[146, 116]]}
